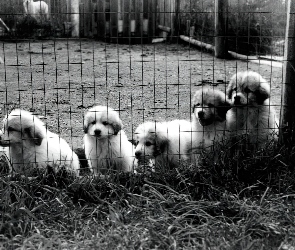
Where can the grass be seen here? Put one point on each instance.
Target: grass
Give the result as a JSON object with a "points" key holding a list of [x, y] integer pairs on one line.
{"points": [[226, 202], [237, 202]]}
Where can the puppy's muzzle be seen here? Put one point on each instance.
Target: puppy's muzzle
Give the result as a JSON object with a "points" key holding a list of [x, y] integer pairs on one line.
{"points": [[97, 132], [237, 100], [138, 154], [201, 114]]}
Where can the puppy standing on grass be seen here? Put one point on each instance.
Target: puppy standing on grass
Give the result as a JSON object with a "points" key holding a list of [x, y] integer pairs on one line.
{"points": [[29, 144], [210, 107], [106, 144], [166, 143], [252, 113]]}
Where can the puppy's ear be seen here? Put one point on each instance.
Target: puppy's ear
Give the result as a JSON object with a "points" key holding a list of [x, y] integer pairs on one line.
{"points": [[133, 142], [193, 109], [193, 103], [117, 126], [35, 134], [262, 93], [85, 127], [229, 92], [196, 100], [162, 144], [223, 108], [234, 81], [86, 123]]}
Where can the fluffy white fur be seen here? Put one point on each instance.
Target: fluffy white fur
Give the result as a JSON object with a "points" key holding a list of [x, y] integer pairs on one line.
{"points": [[36, 9], [164, 142], [210, 107], [29, 144], [252, 113], [106, 144]]}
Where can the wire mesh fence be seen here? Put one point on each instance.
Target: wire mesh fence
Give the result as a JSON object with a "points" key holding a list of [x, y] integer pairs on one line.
{"points": [[129, 57], [164, 134]]}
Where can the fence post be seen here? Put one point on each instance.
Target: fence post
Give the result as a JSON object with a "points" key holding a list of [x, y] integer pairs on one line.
{"points": [[221, 9], [175, 32], [287, 118]]}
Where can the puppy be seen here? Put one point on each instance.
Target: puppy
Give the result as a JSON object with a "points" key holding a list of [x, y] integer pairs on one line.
{"points": [[166, 143], [210, 107], [252, 113], [29, 144], [106, 144]]}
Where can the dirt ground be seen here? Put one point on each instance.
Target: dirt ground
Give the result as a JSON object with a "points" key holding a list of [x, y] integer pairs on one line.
{"points": [[60, 79]]}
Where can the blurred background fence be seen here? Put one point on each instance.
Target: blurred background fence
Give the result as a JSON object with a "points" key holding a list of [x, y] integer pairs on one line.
{"points": [[253, 27]]}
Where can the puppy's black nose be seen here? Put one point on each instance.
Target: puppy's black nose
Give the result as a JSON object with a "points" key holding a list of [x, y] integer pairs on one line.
{"points": [[137, 154], [237, 100], [97, 132], [201, 114]]}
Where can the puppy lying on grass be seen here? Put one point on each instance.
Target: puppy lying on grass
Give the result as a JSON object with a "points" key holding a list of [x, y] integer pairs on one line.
{"points": [[29, 144], [166, 143]]}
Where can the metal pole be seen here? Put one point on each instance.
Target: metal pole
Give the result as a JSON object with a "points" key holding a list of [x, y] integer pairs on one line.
{"points": [[287, 117]]}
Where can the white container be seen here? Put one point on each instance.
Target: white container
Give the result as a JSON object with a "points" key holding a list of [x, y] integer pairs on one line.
{"points": [[132, 26], [145, 26], [120, 26]]}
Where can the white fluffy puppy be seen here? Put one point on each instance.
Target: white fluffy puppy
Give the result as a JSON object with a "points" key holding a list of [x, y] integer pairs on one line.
{"points": [[210, 107], [164, 142], [106, 144], [29, 144], [252, 113]]}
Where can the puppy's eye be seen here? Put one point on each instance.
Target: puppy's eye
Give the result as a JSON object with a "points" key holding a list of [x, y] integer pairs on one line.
{"points": [[11, 129], [210, 105], [93, 122], [235, 89], [247, 90], [105, 123], [195, 106], [148, 144]]}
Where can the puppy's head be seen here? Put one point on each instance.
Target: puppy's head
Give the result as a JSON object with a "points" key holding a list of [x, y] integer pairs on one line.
{"points": [[102, 122], [150, 140], [209, 106], [248, 89], [22, 127]]}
